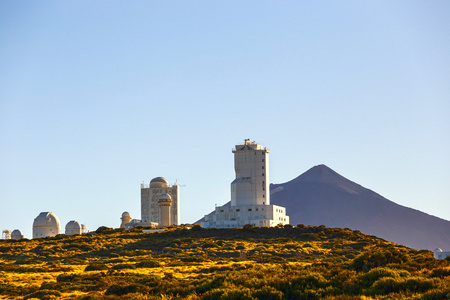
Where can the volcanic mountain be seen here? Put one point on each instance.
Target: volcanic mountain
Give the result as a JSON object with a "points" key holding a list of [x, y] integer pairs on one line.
{"points": [[320, 196]]}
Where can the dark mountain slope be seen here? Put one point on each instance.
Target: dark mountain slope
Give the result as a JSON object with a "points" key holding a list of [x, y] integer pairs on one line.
{"points": [[320, 196]]}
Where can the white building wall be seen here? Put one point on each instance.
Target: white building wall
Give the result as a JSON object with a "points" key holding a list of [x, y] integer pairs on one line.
{"points": [[251, 186]]}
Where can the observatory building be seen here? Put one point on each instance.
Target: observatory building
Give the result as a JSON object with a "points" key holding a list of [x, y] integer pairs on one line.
{"points": [[46, 224], [165, 214], [150, 208], [73, 227], [439, 254], [17, 235], [126, 218], [250, 193]]}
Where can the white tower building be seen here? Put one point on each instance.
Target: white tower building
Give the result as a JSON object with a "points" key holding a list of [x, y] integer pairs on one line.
{"points": [[165, 203], [149, 201], [126, 218], [250, 194], [46, 224], [251, 164]]}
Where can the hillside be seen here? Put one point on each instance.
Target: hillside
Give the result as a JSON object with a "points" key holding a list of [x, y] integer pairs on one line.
{"points": [[322, 196], [251, 263]]}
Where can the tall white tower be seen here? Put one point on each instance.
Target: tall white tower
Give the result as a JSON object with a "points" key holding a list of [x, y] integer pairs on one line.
{"points": [[250, 194], [165, 202], [251, 186]]}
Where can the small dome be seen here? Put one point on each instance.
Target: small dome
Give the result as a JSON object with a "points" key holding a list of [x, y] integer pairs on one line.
{"points": [[73, 227], [159, 182], [165, 197], [125, 214], [16, 234], [438, 250]]}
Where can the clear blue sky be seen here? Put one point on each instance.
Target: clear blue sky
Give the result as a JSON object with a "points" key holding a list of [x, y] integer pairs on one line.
{"points": [[99, 96]]}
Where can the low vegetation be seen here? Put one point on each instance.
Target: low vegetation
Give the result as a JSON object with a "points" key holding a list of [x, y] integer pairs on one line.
{"points": [[301, 262]]}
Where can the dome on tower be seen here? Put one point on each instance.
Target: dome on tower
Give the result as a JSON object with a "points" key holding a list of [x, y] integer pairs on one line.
{"points": [[16, 234], [165, 197], [125, 214], [159, 182], [73, 227]]}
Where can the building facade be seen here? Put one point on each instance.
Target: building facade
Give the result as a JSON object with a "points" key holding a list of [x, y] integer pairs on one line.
{"points": [[150, 210], [250, 193]]}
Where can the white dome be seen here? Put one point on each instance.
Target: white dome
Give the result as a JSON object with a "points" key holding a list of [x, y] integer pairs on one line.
{"points": [[46, 224], [159, 182], [73, 227], [16, 234], [165, 197]]}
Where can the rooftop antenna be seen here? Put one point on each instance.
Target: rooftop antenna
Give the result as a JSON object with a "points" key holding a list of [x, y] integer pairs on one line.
{"points": [[176, 183]]}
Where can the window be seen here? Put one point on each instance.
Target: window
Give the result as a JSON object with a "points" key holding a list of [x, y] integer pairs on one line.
{"points": [[263, 160], [262, 174], [249, 209], [263, 167], [238, 209]]}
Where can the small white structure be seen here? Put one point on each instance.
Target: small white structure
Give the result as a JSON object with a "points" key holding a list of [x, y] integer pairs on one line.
{"points": [[6, 234], [73, 227], [46, 224], [439, 254], [126, 218], [250, 194], [150, 197], [17, 235], [165, 203]]}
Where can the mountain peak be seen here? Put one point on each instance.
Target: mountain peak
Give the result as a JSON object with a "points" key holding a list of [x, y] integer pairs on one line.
{"points": [[325, 175]]}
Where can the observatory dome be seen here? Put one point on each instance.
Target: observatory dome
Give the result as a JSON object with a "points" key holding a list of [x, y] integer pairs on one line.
{"points": [[16, 234], [126, 218], [46, 224], [165, 197], [159, 182], [73, 227]]}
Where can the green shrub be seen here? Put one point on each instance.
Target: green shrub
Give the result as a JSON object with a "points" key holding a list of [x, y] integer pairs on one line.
{"points": [[43, 294], [369, 260], [123, 267], [96, 267], [151, 263], [120, 290]]}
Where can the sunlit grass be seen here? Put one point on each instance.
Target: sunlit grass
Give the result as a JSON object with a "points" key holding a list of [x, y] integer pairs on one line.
{"points": [[304, 262]]}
